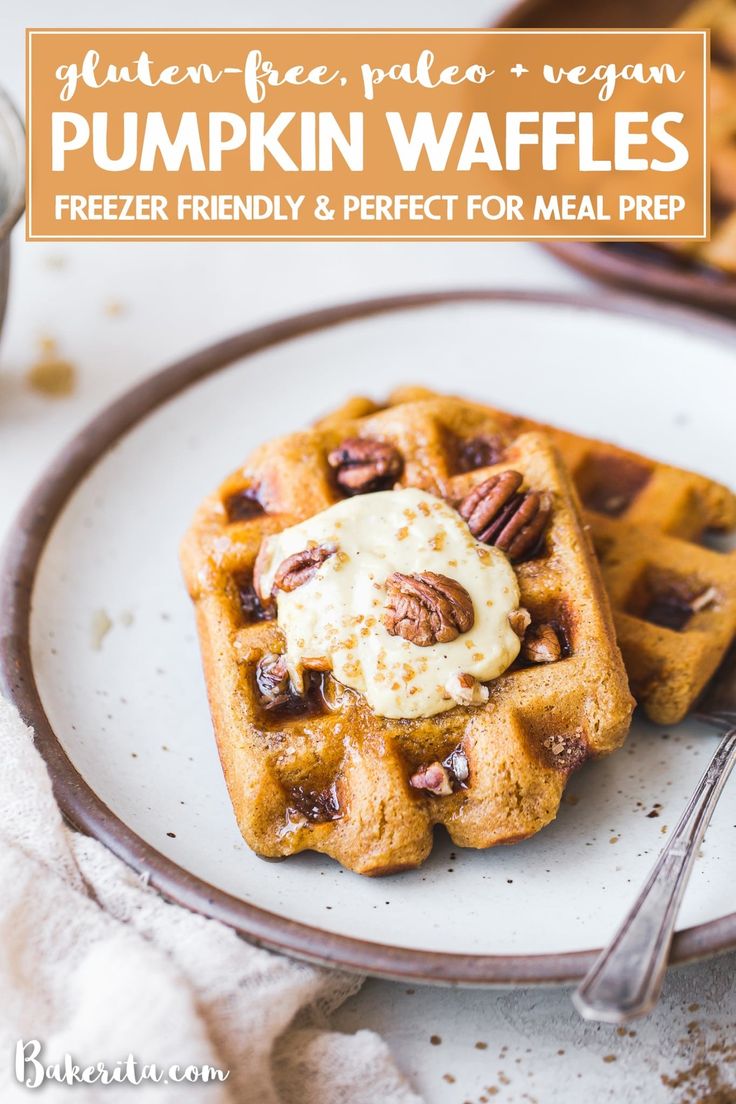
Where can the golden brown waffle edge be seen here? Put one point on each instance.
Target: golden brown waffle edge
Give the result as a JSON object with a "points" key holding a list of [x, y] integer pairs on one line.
{"points": [[334, 777]]}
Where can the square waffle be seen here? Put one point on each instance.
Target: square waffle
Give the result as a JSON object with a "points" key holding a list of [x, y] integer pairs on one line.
{"points": [[322, 771], [673, 598]]}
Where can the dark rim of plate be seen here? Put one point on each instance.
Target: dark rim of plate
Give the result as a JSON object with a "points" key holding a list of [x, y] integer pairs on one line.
{"points": [[85, 810], [636, 266]]}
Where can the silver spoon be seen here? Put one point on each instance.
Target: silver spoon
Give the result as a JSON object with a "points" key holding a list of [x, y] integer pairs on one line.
{"points": [[626, 979]]}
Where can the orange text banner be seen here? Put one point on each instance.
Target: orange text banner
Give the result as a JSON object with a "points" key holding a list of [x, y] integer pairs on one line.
{"points": [[403, 135]]}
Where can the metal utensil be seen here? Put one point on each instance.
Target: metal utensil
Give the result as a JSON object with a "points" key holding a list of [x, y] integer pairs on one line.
{"points": [[626, 979]]}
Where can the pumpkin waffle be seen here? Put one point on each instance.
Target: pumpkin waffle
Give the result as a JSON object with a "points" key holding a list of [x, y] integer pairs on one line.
{"points": [[673, 597], [320, 770]]}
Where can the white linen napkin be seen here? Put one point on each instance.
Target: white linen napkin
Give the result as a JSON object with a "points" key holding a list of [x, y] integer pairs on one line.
{"points": [[96, 964]]}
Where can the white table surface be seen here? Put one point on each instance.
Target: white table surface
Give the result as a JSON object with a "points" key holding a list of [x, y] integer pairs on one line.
{"points": [[175, 298]]}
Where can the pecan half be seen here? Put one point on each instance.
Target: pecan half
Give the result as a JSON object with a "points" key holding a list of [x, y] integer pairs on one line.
{"points": [[466, 690], [272, 680], [520, 620], [435, 779], [498, 513], [364, 464], [674, 600], [541, 644], [443, 779], [299, 568], [427, 608]]}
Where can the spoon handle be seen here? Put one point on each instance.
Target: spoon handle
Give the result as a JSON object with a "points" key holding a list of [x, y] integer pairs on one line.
{"points": [[626, 980]]}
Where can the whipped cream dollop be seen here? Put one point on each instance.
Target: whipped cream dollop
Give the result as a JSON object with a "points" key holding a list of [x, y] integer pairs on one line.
{"points": [[338, 613]]}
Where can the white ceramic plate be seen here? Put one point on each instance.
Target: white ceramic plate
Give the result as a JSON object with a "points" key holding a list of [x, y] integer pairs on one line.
{"points": [[130, 711]]}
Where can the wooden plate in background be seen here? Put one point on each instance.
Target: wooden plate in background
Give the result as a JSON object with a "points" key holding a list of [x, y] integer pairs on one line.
{"points": [[633, 265]]}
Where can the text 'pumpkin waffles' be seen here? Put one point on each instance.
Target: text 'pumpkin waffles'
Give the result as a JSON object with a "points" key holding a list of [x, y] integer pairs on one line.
{"points": [[362, 590], [673, 597]]}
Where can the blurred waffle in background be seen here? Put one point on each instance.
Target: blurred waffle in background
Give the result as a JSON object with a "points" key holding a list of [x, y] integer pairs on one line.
{"points": [[700, 273], [720, 17]]}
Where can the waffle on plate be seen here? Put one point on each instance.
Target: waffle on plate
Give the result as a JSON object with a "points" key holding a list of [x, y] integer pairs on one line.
{"points": [[309, 763], [673, 597]]}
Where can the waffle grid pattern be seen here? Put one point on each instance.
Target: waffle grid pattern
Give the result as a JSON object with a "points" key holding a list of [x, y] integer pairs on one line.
{"points": [[648, 521], [325, 773]]}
